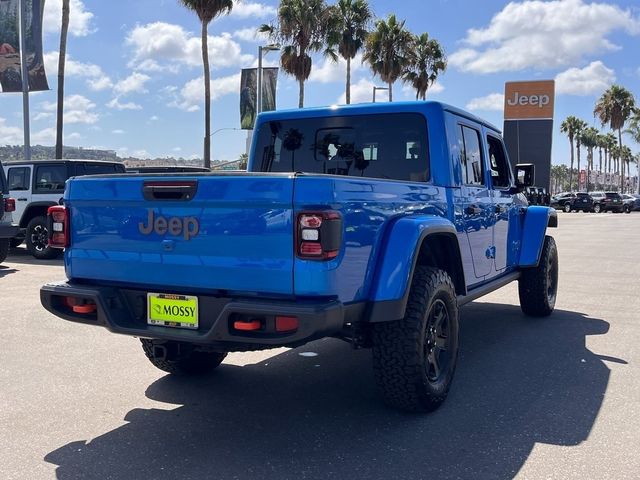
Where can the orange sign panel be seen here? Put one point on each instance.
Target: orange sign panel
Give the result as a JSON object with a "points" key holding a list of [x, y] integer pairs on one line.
{"points": [[529, 100]]}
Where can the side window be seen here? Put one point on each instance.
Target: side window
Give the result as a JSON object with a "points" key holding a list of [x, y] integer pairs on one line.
{"points": [[50, 178], [472, 169], [19, 178], [498, 163]]}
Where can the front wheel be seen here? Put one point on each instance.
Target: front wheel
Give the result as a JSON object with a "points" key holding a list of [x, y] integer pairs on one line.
{"points": [[538, 286], [38, 240], [567, 207], [597, 208], [627, 209], [414, 359], [180, 358]]}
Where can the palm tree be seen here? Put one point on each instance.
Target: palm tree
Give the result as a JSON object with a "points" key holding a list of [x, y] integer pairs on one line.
{"points": [[614, 153], [301, 30], [207, 10], [589, 138], [425, 61], [626, 157], [581, 126], [350, 21], [386, 50], [61, 63], [634, 132], [611, 142], [571, 126], [614, 107]]}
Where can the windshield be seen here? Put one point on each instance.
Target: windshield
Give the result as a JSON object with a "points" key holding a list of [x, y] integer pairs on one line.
{"points": [[380, 146]]}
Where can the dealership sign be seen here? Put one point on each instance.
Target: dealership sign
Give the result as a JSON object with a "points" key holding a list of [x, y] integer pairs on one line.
{"points": [[529, 100]]}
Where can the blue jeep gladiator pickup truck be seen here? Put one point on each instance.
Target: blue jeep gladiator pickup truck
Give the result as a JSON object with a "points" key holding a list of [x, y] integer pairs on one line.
{"points": [[369, 223]]}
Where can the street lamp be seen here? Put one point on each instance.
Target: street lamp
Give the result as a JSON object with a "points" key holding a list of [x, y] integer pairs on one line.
{"points": [[263, 50], [375, 89]]}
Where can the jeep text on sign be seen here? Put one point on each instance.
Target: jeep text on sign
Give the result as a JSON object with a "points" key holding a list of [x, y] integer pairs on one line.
{"points": [[529, 100]]}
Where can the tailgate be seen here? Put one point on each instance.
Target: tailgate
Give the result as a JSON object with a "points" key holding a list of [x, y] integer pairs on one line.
{"points": [[210, 232]]}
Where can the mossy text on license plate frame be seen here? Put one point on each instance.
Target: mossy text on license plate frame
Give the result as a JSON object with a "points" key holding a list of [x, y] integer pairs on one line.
{"points": [[171, 310]]}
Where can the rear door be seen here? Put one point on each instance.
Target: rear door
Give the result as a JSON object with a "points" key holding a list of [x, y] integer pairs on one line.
{"points": [[19, 184], [476, 198]]}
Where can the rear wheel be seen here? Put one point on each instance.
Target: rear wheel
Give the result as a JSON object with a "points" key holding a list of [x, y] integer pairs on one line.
{"points": [[414, 359], [180, 358], [4, 249], [597, 208], [38, 240], [567, 207], [627, 209], [538, 286]]}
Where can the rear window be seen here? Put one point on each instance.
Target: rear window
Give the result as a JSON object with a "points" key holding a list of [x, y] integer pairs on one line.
{"points": [[379, 146], [612, 195], [98, 168], [50, 178], [583, 195]]}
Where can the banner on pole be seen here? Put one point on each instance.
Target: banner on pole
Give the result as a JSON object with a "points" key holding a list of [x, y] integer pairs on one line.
{"points": [[10, 73], [249, 94]]}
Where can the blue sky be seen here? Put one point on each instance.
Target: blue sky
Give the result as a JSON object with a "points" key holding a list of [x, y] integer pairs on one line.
{"points": [[134, 68]]}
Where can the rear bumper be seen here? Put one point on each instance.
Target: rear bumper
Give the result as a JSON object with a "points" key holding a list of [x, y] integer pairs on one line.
{"points": [[124, 311], [8, 231]]}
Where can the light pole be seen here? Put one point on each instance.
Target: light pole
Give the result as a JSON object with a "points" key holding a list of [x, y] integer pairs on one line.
{"points": [[263, 50], [375, 89], [223, 129]]}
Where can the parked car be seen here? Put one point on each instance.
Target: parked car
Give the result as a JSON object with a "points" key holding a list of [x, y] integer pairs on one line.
{"points": [[607, 202], [631, 202], [7, 229], [201, 265], [38, 184], [581, 201], [559, 200]]}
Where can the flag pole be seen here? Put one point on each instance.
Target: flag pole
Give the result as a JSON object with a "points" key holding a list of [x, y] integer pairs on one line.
{"points": [[22, 15]]}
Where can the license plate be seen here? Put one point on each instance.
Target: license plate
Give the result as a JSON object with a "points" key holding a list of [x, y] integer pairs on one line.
{"points": [[168, 310]]}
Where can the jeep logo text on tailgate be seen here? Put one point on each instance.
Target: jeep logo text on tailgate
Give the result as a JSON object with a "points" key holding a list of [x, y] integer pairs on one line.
{"points": [[188, 227]]}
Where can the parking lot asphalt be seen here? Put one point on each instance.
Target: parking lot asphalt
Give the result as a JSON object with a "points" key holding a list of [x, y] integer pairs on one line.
{"points": [[551, 398]]}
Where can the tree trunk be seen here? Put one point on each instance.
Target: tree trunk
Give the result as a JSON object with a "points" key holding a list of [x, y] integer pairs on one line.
{"points": [[61, 63], [621, 161], [348, 91], [301, 94], [578, 153], [207, 97], [390, 91], [571, 169]]}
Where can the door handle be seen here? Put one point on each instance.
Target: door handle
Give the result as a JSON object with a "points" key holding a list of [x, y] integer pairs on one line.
{"points": [[22, 199], [473, 210]]}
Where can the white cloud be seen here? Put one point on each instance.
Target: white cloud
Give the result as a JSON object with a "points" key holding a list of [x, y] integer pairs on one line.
{"points": [[434, 89], [191, 96], [542, 35], [329, 71], [46, 136], [176, 149], [132, 84], [592, 79], [117, 131], [73, 136], [163, 46], [116, 104], [361, 92], [493, 101], [253, 9], [79, 18], [42, 116], [96, 78], [10, 135], [77, 109], [154, 118], [250, 34], [140, 154]]}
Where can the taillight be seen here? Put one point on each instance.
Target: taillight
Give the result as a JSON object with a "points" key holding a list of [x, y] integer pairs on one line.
{"points": [[58, 226], [319, 235], [9, 205]]}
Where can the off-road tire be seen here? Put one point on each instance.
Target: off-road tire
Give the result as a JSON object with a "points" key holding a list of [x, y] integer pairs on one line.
{"points": [[597, 208], [402, 349], [180, 358], [567, 208], [35, 228], [538, 286], [15, 242], [4, 249]]}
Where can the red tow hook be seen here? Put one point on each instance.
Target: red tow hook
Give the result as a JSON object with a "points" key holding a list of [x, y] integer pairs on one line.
{"points": [[245, 326], [78, 307]]}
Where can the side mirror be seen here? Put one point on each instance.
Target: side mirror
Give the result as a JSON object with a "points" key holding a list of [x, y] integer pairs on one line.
{"points": [[525, 175]]}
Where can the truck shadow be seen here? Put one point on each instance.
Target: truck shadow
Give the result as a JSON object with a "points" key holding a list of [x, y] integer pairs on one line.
{"points": [[520, 381], [4, 271]]}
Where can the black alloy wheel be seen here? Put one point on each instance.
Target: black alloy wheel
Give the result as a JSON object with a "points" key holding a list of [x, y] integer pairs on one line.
{"points": [[437, 335]]}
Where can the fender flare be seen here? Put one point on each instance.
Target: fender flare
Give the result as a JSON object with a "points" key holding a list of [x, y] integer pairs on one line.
{"points": [[26, 215], [399, 255], [536, 221]]}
